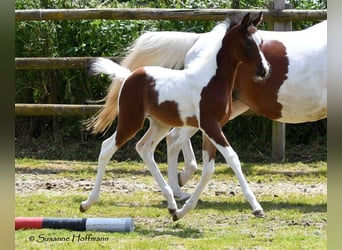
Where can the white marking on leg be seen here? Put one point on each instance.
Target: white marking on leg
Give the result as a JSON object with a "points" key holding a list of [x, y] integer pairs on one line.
{"points": [[108, 148], [233, 161]]}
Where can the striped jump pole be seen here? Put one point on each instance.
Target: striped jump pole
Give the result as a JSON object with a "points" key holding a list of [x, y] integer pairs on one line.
{"points": [[76, 224]]}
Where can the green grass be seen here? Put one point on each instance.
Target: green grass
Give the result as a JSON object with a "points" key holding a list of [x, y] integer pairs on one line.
{"points": [[294, 220]]}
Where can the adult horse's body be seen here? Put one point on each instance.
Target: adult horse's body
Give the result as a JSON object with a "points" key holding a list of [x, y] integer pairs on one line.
{"points": [[299, 97], [294, 93], [198, 96]]}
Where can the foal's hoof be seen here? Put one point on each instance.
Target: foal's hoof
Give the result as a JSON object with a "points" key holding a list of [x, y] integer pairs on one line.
{"points": [[259, 213], [172, 211], [174, 214], [175, 217], [82, 210]]}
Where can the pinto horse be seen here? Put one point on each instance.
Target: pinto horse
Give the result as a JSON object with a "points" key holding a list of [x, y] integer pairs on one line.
{"points": [[295, 92], [198, 96]]}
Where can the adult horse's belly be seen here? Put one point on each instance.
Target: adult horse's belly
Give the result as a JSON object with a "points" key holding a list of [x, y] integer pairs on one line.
{"points": [[303, 95], [306, 105]]}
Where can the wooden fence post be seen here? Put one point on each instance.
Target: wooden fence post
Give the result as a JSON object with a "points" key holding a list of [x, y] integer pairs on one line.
{"points": [[278, 128]]}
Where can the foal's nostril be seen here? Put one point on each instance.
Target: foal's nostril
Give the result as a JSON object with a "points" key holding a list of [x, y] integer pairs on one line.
{"points": [[261, 71]]}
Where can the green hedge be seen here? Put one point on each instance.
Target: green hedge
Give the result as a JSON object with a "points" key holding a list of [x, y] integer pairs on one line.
{"points": [[111, 38]]}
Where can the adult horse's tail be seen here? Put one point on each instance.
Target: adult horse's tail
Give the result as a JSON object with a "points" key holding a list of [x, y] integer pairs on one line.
{"points": [[166, 49]]}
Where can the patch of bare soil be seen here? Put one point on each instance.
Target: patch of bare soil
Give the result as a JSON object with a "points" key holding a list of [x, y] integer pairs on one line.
{"points": [[29, 183]]}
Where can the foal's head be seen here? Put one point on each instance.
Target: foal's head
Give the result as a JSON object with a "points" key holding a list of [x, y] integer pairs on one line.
{"points": [[245, 42]]}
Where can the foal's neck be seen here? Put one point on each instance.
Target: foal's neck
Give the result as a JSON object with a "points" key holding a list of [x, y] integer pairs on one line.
{"points": [[226, 65]]}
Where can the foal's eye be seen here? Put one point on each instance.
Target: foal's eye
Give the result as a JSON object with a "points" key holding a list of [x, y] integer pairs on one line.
{"points": [[248, 44]]}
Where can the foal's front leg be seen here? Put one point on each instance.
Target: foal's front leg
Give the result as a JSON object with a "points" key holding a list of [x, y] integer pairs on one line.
{"points": [[216, 137], [182, 136], [233, 161], [179, 139], [207, 172]]}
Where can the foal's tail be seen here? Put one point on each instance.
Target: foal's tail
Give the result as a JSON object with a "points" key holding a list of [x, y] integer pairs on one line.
{"points": [[108, 67], [102, 120], [166, 49]]}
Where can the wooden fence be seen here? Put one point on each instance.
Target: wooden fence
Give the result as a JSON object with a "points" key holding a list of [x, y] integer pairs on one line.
{"points": [[273, 15], [276, 16]]}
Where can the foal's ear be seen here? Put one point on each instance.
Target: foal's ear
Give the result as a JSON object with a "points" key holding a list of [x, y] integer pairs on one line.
{"points": [[258, 20], [246, 21]]}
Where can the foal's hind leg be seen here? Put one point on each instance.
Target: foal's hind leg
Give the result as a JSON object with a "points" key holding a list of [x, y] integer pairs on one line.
{"points": [[108, 148], [127, 127], [146, 147]]}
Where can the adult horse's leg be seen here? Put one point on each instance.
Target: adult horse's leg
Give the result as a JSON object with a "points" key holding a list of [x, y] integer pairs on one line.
{"points": [[145, 147], [177, 139]]}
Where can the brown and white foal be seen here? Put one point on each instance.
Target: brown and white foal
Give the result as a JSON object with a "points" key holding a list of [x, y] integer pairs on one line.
{"points": [[198, 96]]}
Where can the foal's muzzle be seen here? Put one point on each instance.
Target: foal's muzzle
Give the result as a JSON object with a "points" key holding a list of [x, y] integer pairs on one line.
{"points": [[262, 73]]}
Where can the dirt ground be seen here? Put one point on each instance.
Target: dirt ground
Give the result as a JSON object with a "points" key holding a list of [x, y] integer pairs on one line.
{"points": [[27, 183]]}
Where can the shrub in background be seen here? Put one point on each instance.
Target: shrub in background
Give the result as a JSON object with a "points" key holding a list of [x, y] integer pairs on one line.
{"points": [[111, 38]]}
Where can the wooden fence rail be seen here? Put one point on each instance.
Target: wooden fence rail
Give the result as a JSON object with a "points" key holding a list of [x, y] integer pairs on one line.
{"points": [[165, 14], [28, 109], [25, 109]]}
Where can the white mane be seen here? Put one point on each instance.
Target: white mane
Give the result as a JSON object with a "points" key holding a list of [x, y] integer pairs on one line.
{"points": [[207, 46]]}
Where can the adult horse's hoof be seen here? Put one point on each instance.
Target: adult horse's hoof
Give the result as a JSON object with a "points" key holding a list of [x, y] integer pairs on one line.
{"points": [[82, 210], [259, 213]]}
